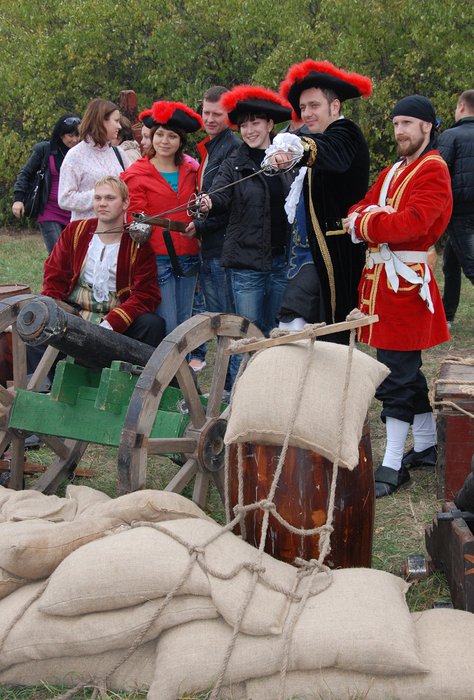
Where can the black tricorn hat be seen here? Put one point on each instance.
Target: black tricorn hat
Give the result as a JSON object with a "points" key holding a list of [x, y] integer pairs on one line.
{"points": [[254, 99], [175, 115], [146, 118], [322, 74]]}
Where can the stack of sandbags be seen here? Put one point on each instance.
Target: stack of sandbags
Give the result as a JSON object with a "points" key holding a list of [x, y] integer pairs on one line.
{"points": [[165, 598], [37, 531]]}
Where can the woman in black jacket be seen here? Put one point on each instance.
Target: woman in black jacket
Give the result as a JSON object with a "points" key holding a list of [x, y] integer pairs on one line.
{"points": [[257, 233], [48, 156]]}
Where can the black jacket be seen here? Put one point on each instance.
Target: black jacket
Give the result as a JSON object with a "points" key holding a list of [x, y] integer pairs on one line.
{"points": [[247, 243], [212, 230], [338, 179], [24, 180], [456, 145]]}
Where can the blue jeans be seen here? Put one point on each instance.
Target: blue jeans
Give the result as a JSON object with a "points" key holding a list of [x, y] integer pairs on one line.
{"points": [[50, 230], [199, 306], [177, 293], [214, 285], [458, 255], [258, 297]]}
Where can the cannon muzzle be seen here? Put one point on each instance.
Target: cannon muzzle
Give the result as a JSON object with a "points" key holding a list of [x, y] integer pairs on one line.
{"points": [[43, 322]]}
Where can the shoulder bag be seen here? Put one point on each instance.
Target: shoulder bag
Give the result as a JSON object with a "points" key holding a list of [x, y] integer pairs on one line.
{"points": [[32, 200]]}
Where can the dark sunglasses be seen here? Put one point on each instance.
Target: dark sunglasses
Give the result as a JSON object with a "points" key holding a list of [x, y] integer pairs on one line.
{"points": [[71, 121]]}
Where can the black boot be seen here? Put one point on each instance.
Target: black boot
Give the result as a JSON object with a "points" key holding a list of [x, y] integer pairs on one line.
{"points": [[387, 480], [417, 460]]}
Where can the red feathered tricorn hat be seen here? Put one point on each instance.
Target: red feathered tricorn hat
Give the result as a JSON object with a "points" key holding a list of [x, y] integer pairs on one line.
{"points": [[322, 74], [173, 115], [146, 118], [254, 99]]}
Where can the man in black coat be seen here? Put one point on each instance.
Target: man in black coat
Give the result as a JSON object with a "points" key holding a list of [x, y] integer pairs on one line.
{"points": [[324, 266], [456, 145], [214, 149]]}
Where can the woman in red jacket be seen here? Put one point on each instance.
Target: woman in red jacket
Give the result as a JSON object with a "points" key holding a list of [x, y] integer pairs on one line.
{"points": [[161, 181]]}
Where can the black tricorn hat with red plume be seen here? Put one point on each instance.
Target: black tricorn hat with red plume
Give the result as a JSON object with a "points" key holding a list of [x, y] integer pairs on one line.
{"points": [[146, 118], [173, 115], [324, 75], [254, 99]]}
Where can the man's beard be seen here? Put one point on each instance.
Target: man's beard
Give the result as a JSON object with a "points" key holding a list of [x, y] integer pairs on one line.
{"points": [[408, 148]]}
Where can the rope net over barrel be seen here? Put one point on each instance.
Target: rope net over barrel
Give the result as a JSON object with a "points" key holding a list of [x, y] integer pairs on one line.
{"points": [[312, 577]]}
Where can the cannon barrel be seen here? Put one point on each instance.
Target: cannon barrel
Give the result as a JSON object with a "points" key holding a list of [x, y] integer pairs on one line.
{"points": [[43, 322]]}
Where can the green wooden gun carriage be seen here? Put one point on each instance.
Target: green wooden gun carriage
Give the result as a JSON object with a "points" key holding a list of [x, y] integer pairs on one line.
{"points": [[112, 390]]}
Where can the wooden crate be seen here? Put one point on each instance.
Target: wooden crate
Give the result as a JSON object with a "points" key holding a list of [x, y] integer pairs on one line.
{"points": [[455, 428], [450, 544]]}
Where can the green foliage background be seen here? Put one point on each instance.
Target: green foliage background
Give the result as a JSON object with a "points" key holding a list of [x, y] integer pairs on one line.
{"points": [[56, 55]]}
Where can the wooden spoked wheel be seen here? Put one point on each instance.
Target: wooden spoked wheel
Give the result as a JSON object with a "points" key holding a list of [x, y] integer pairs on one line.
{"points": [[66, 453], [203, 441]]}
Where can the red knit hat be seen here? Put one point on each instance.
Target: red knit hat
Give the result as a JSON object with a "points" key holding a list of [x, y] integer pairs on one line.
{"points": [[254, 99], [174, 115], [322, 74]]}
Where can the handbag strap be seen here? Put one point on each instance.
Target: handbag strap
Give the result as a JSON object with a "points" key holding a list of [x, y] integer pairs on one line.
{"points": [[119, 156]]}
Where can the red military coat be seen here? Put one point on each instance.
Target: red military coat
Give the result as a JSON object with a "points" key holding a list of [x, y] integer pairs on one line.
{"points": [[137, 283], [421, 194]]}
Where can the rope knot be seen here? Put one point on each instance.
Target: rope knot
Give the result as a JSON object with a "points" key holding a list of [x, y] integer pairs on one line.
{"points": [[279, 332], [195, 550], [265, 504]]}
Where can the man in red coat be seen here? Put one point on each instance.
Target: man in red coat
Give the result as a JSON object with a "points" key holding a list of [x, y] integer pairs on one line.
{"points": [[98, 268], [400, 218]]}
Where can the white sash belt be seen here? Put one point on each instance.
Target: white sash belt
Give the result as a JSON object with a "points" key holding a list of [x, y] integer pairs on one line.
{"points": [[395, 267]]}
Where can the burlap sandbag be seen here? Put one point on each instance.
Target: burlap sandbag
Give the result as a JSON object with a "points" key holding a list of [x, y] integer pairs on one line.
{"points": [[144, 563], [265, 396], [85, 497], [33, 548], [360, 623], [445, 644], [267, 610], [9, 583], [28, 505], [38, 636], [135, 674], [129, 568], [149, 505]]}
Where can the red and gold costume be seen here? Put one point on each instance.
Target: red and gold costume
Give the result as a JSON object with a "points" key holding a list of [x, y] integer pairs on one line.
{"points": [[421, 194], [137, 286]]}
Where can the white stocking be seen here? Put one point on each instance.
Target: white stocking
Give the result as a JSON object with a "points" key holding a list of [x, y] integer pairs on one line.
{"points": [[397, 431], [424, 431]]}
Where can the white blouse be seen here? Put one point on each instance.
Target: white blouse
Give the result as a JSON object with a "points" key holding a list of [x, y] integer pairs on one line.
{"points": [[83, 165]]}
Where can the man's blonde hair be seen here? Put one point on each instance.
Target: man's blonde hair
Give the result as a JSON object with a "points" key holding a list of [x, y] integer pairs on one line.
{"points": [[116, 183]]}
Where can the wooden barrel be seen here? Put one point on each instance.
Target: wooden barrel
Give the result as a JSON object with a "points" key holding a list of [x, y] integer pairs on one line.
{"points": [[6, 358], [302, 499]]}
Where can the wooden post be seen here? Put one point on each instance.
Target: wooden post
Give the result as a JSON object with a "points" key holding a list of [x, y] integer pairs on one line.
{"points": [[128, 107]]}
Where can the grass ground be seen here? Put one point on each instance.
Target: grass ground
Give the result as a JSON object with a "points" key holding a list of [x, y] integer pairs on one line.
{"points": [[400, 520]]}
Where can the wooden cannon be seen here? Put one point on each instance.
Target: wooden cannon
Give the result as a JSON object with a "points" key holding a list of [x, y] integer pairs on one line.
{"points": [[116, 392]]}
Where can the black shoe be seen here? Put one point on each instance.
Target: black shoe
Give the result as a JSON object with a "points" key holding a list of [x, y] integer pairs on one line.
{"points": [[417, 460], [32, 442], [387, 480]]}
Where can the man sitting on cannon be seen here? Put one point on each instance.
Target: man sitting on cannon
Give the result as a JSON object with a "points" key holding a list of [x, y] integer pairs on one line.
{"points": [[106, 276]]}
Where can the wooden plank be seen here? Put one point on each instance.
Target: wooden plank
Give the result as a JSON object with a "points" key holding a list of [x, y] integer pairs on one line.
{"points": [[166, 446], [32, 468], [304, 335], [185, 378], [41, 372], [183, 476]]}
